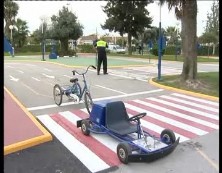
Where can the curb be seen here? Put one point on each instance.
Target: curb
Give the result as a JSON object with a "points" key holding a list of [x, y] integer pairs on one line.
{"points": [[184, 91], [29, 142]]}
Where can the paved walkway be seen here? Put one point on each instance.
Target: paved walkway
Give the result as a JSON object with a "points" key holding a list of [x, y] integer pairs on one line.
{"points": [[21, 129]]}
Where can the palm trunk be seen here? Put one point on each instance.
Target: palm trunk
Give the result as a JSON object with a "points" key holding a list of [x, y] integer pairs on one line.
{"points": [[189, 26]]}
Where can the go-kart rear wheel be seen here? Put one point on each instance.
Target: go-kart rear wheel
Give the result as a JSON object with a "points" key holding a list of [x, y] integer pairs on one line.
{"points": [[167, 136], [57, 94], [85, 127], [123, 151]]}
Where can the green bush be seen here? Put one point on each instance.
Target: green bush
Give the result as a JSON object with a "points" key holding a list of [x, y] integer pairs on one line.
{"points": [[34, 48], [154, 50], [86, 48], [171, 50], [203, 51]]}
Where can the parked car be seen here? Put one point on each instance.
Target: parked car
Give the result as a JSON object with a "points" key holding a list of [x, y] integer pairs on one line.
{"points": [[116, 49]]}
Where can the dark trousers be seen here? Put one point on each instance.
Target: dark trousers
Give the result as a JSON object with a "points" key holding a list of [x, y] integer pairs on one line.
{"points": [[102, 58]]}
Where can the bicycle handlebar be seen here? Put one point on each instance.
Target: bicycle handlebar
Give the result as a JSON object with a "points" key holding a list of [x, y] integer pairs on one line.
{"points": [[74, 71]]}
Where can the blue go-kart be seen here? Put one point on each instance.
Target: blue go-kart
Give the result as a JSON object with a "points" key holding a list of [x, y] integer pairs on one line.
{"points": [[110, 117]]}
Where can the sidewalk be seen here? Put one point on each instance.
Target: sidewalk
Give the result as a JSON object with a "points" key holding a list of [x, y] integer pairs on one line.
{"points": [[21, 129]]}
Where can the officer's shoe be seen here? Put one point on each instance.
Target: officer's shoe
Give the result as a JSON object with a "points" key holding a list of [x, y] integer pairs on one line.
{"points": [[97, 73], [105, 73]]}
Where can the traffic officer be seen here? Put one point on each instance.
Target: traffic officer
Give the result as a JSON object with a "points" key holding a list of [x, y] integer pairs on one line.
{"points": [[102, 58]]}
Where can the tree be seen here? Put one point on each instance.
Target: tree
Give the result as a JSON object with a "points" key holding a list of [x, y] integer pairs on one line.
{"points": [[121, 42], [186, 11], [152, 34], [127, 17], [22, 33], [212, 25], [172, 34], [10, 12], [65, 27]]}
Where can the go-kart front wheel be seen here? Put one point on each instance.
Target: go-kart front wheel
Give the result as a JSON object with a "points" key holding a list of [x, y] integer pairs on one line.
{"points": [[167, 136], [85, 127], [123, 151]]}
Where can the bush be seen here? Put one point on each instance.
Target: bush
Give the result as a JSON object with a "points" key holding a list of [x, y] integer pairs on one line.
{"points": [[154, 50], [86, 48], [171, 50], [34, 48]]}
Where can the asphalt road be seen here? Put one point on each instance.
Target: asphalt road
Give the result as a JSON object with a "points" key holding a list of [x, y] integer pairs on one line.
{"points": [[32, 83]]}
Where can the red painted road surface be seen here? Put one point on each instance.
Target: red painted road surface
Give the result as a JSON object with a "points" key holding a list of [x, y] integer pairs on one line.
{"points": [[17, 125]]}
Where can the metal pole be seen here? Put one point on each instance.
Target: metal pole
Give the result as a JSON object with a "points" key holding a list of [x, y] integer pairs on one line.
{"points": [[160, 49], [11, 35], [96, 50], [43, 45]]}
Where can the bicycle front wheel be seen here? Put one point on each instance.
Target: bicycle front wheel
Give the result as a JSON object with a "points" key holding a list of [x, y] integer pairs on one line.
{"points": [[57, 94], [88, 102]]}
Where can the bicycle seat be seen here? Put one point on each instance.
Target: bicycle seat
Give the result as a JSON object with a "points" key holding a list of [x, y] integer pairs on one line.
{"points": [[73, 80]]}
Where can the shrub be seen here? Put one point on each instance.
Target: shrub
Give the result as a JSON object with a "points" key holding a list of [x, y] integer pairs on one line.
{"points": [[86, 48], [154, 50]]}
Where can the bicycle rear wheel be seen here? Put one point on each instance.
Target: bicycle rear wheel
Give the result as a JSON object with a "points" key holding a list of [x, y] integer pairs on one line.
{"points": [[57, 94], [88, 102]]}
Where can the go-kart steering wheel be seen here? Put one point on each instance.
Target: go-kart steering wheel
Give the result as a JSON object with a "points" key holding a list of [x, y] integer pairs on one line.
{"points": [[137, 117]]}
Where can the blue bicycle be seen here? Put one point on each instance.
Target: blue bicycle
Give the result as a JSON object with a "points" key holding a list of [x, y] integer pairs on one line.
{"points": [[74, 91]]}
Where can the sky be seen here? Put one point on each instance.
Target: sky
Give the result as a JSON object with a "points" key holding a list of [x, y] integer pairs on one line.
{"points": [[91, 16]]}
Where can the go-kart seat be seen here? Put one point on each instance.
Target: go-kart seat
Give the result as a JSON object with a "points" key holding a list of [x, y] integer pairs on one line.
{"points": [[117, 119]]}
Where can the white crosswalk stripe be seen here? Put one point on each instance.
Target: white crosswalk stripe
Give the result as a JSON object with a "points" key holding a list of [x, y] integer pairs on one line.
{"points": [[181, 113]]}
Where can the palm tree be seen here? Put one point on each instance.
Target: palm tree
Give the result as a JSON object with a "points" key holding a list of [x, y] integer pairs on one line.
{"points": [[10, 12], [171, 33], [186, 11], [20, 36]]}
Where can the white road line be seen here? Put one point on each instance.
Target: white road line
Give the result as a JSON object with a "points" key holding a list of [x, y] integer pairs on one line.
{"points": [[13, 78], [32, 65], [196, 99], [35, 79], [110, 89], [104, 139], [97, 99], [168, 120], [48, 76], [20, 71], [178, 114], [10, 66], [191, 103], [185, 108], [47, 69], [92, 161]]}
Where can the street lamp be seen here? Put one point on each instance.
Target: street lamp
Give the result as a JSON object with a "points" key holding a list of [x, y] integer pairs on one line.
{"points": [[159, 48], [43, 45]]}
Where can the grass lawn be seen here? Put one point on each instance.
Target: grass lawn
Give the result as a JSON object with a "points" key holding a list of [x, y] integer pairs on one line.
{"points": [[209, 83]]}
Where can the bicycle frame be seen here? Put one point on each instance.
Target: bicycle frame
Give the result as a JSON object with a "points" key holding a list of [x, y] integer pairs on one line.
{"points": [[85, 86]]}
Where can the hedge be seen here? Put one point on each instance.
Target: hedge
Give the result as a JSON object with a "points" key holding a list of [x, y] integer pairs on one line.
{"points": [[86, 48]]}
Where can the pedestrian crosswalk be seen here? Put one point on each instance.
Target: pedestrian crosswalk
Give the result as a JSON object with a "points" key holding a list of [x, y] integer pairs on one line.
{"points": [[189, 117]]}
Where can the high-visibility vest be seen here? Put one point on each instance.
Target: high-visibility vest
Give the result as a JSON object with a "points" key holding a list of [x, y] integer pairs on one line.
{"points": [[101, 43]]}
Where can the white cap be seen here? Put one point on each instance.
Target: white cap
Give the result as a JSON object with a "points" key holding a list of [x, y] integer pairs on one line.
{"points": [[98, 37]]}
